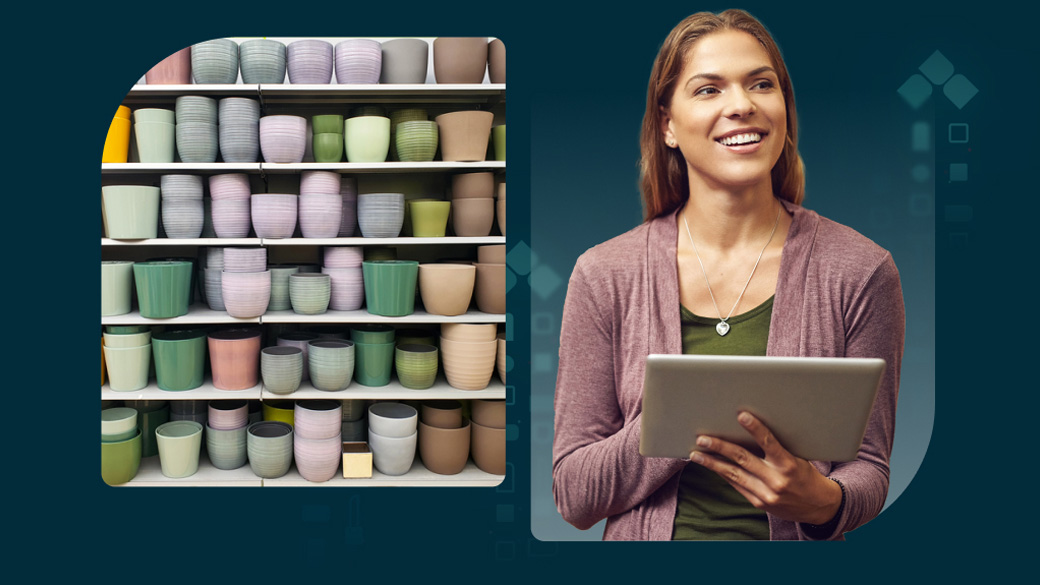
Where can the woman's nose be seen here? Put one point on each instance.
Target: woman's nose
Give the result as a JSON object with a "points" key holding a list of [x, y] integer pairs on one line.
{"points": [[739, 104]]}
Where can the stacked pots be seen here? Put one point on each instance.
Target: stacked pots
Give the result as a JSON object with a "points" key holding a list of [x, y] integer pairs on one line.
{"points": [[473, 204], [196, 133], [226, 433], [173, 70], [128, 359], [444, 437], [321, 204], [238, 129], [373, 354], [500, 360], [230, 206], [262, 61], [468, 353], [269, 447], [212, 277], [327, 138], [180, 443], [130, 212], [488, 443], [393, 436], [281, 368], [343, 265], [280, 299], [215, 61], [155, 135], [390, 286], [358, 61], [234, 356], [404, 115], [348, 190], [309, 61], [416, 365], [120, 445], [446, 289], [301, 341], [355, 420], [245, 283], [310, 292], [283, 139], [317, 442], [183, 214], [117, 141], [330, 363], [490, 286]]}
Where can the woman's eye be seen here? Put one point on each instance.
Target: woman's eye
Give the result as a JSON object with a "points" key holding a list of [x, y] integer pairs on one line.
{"points": [[706, 91], [764, 84]]}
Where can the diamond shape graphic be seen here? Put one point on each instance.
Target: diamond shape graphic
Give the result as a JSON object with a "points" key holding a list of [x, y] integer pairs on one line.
{"points": [[915, 90], [937, 68], [960, 90], [544, 281], [519, 259]]}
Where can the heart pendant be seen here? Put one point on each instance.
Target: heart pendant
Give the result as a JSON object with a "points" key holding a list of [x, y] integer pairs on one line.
{"points": [[722, 328]]}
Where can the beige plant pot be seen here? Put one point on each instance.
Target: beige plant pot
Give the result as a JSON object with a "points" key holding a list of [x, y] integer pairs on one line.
{"points": [[460, 59], [468, 365], [472, 217], [490, 413], [497, 61], [500, 363], [488, 447], [472, 185], [469, 331], [444, 451], [500, 214], [446, 289], [494, 254], [464, 136], [490, 288], [444, 414]]}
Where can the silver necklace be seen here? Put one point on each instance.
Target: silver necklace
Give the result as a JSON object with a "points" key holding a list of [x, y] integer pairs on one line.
{"points": [[723, 327]]}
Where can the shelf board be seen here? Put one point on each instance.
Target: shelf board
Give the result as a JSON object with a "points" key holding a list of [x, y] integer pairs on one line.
{"points": [[402, 241], [394, 391], [185, 242], [417, 476], [385, 167], [363, 316], [198, 314], [205, 392], [138, 167], [417, 92], [150, 475]]}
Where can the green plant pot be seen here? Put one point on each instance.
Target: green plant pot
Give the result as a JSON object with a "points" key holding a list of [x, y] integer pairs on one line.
{"points": [[390, 286], [373, 363], [328, 147], [120, 460], [429, 217], [163, 288], [180, 359]]}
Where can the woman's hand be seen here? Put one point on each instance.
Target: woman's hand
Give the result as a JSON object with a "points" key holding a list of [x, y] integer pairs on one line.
{"points": [[778, 483]]}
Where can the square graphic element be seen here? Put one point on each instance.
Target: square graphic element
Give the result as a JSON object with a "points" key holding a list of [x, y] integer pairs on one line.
{"points": [[958, 172], [958, 133]]}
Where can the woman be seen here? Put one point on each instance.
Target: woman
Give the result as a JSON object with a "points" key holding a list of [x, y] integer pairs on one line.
{"points": [[726, 262]]}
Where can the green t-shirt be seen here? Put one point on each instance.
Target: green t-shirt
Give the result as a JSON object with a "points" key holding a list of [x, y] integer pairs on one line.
{"points": [[709, 508]]}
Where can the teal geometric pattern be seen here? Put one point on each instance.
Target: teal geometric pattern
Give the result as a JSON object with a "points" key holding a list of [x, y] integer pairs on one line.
{"points": [[937, 70]]}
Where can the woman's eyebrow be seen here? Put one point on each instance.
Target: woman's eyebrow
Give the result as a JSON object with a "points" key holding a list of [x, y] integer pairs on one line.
{"points": [[717, 77]]}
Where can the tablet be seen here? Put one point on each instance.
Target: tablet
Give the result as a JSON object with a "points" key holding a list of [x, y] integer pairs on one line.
{"points": [[816, 407]]}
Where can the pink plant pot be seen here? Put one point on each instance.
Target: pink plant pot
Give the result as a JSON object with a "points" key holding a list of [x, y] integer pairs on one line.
{"points": [[235, 358], [274, 214], [173, 70]]}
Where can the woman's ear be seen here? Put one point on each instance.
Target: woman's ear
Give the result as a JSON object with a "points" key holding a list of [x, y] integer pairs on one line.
{"points": [[666, 128]]}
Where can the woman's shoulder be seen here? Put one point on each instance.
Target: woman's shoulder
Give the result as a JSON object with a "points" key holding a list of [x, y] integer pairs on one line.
{"points": [[621, 250], [842, 249]]}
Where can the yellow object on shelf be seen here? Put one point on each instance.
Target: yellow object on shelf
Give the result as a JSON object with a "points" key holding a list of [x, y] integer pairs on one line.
{"points": [[117, 143], [357, 460]]}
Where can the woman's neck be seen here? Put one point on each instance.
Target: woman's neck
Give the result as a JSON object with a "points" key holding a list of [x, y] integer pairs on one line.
{"points": [[727, 220]]}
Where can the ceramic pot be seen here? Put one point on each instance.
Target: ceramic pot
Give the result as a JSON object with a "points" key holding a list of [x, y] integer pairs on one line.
{"points": [[392, 455], [180, 443], [460, 59], [469, 185], [393, 419], [215, 62], [130, 212], [472, 217], [118, 424], [331, 364], [246, 295], [373, 363], [468, 365], [390, 286], [488, 448], [281, 368], [309, 61], [235, 358], [429, 217], [163, 288], [262, 61], [227, 414], [445, 414], [367, 139], [442, 450], [446, 289], [320, 214], [405, 61], [117, 278], [472, 332], [416, 141], [497, 61], [274, 215], [148, 419], [180, 359], [464, 135], [173, 70], [489, 412], [156, 142], [348, 288], [310, 292], [279, 411], [380, 215], [416, 365], [121, 460], [490, 288], [498, 138], [328, 147], [227, 448], [269, 447], [318, 419], [117, 141], [317, 460]]}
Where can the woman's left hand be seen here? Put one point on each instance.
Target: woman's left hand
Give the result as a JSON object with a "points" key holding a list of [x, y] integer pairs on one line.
{"points": [[778, 483]]}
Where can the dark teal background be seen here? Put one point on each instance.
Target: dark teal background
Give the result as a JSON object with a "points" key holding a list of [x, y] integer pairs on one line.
{"points": [[577, 79]]}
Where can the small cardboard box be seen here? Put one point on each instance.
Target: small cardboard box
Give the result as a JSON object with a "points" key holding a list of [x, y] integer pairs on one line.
{"points": [[357, 460]]}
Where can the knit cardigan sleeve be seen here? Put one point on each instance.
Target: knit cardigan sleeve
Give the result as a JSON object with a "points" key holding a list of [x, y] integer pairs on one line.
{"points": [[597, 469]]}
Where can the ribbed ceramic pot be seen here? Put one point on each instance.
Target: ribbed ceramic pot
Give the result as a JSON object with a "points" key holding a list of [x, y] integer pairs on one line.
{"points": [[488, 448], [262, 61], [444, 451], [468, 365], [470, 185], [180, 443], [331, 364], [180, 359], [464, 135], [318, 419], [215, 62], [269, 448], [380, 215], [501, 361], [309, 292], [281, 368], [121, 460], [274, 215], [348, 288], [163, 288], [405, 61], [317, 460], [416, 365], [310, 61], [280, 300], [460, 59], [279, 410], [301, 340], [246, 295], [416, 141], [173, 70], [489, 412], [283, 138], [320, 214], [497, 61], [235, 358], [227, 448], [117, 281], [130, 212], [197, 142], [390, 286], [445, 288], [358, 61]]}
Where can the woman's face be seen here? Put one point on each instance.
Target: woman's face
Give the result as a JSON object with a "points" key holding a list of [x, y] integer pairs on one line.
{"points": [[727, 113]]}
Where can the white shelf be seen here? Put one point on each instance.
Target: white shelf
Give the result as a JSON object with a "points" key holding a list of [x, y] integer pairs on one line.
{"points": [[362, 316], [440, 390], [417, 92], [221, 167], [197, 315], [185, 242], [286, 168], [402, 241], [417, 476], [205, 392], [150, 475]]}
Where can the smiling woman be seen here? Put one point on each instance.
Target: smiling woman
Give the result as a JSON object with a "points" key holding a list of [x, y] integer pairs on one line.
{"points": [[722, 186]]}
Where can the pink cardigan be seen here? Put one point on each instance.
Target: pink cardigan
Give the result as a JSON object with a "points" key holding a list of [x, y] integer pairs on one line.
{"points": [[838, 294]]}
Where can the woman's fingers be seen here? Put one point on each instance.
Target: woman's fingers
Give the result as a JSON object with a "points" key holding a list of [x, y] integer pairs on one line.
{"points": [[740, 468]]}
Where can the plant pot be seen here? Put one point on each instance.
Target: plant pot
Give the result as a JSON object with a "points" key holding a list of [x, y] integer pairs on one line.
{"points": [[497, 61], [117, 281], [215, 62], [331, 364], [373, 363], [128, 367], [444, 414], [269, 447], [227, 448], [262, 61], [393, 455], [301, 340], [130, 212], [490, 288], [367, 139], [472, 217], [405, 61], [121, 460], [390, 286], [429, 217], [416, 365], [173, 70], [470, 185], [235, 358], [163, 288], [464, 135], [498, 138], [488, 448], [442, 450], [460, 59], [180, 359], [180, 443], [274, 215], [489, 413], [446, 289]]}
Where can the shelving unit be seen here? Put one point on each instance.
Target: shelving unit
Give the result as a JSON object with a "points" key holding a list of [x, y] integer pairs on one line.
{"points": [[307, 100]]}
